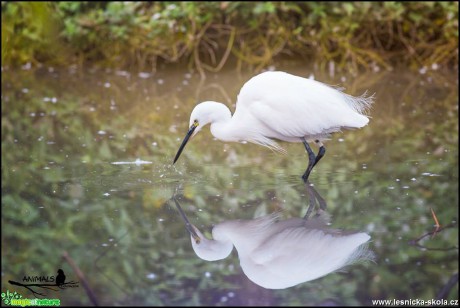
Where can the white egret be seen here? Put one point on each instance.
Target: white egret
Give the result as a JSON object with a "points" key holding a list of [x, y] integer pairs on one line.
{"points": [[281, 254], [278, 105]]}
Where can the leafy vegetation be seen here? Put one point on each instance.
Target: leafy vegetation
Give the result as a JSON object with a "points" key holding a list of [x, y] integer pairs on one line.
{"points": [[208, 35]]}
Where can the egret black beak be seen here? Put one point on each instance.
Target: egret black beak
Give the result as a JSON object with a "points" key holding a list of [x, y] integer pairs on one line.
{"points": [[184, 142], [190, 228]]}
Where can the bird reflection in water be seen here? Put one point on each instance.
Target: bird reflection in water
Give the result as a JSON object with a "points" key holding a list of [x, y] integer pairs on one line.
{"points": [[278, 254]]}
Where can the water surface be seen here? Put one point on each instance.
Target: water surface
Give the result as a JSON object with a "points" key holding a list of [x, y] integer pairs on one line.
{"points": [[87, 172]]}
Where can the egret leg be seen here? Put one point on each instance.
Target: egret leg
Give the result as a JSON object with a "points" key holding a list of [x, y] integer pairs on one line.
{"points": [[311, 197], [322, 203], [321, 152], [312, 159], [314, 197]]}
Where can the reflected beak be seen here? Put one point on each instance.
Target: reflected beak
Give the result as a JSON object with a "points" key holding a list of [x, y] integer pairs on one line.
{"points": [[187, 137], [190, 228]]}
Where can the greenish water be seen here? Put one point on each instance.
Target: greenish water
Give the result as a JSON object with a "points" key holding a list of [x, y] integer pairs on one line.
{"points": [[73, 182]]}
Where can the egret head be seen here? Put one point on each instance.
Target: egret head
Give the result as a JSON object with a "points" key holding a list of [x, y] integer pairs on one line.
{"points": [[210, 250], [203, 113]]}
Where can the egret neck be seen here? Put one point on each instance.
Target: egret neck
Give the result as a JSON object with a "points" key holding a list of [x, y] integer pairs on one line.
{"points": [[220, 118]]}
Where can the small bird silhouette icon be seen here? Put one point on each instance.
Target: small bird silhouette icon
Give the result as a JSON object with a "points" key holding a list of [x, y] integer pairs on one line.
{"points": [[60, 278]]}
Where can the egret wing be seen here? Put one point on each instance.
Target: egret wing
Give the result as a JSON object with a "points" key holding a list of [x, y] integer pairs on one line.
{"points": [[306, 254], [288, 107]]}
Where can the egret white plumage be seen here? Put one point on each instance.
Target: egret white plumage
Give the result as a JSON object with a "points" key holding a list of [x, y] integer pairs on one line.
{"points": [[278, 105], [281, 254]]}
